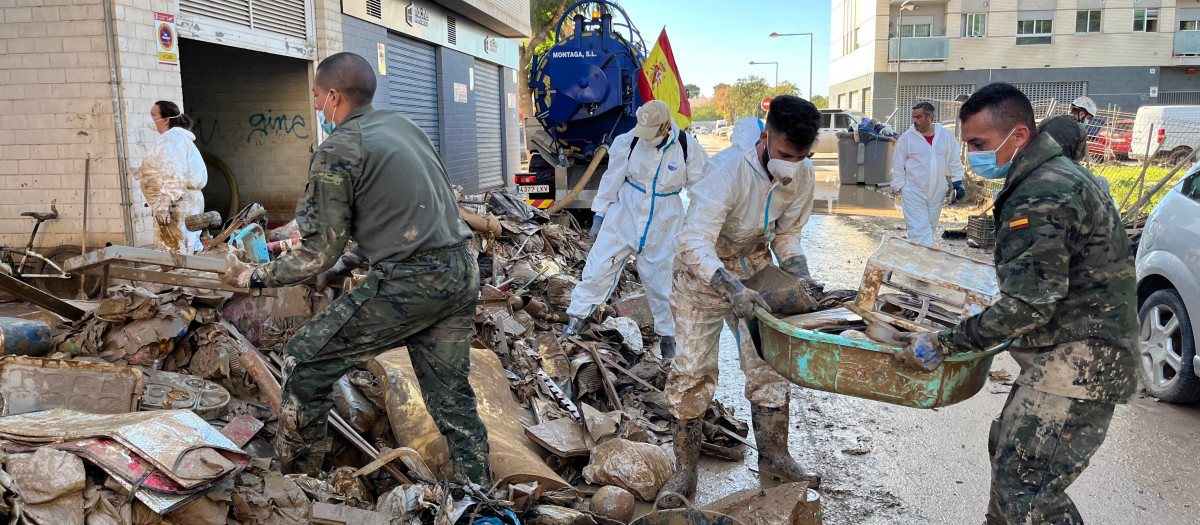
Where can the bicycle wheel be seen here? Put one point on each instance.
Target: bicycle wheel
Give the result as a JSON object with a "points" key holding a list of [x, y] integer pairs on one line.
{"points": [[67, 288]]}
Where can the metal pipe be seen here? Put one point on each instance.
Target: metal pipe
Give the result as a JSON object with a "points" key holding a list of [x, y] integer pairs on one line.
{"points": [[114, 81]]}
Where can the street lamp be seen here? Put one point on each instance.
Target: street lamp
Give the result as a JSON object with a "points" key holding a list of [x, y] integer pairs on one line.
{"points": [[753, 63], [810, 57], [907, 5]]}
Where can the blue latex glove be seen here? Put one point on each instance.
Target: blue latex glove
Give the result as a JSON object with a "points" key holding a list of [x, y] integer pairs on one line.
{"points": [[597, 221], [959, 191], [923, 352]]}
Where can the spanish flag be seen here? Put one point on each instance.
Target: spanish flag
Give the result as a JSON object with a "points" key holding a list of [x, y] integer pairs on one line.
{"points": [[660, 81]]}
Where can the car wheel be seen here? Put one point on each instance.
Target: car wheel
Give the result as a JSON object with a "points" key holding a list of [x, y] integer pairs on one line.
{"points": [[1167, 348]]}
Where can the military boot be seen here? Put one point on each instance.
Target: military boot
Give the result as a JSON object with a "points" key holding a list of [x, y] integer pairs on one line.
{"points": [[771, 436], [667, 347], [299, 457], [682, 485]]}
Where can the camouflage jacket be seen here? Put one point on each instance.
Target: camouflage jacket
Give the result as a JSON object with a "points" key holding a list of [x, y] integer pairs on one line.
{"points": [[377, 179], [1066, 279]]}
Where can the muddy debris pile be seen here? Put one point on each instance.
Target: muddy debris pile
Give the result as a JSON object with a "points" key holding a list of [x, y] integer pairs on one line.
{"points": [[159, 405]]}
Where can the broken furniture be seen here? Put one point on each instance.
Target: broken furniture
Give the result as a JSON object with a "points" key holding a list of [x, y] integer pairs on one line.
{"points": [[142, 264]]}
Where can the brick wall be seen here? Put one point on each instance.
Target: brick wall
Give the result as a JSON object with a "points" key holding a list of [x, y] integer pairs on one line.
{"points": [[459, 153], [55, 109], [328, 17], [254, 111]]}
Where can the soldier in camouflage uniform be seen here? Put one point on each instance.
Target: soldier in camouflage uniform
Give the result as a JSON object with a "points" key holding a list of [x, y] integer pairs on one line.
{"points": [[1067, 304], [377, 179]]}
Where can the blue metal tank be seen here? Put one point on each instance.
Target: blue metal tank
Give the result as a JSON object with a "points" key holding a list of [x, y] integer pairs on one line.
{"points": [[585, 86]]}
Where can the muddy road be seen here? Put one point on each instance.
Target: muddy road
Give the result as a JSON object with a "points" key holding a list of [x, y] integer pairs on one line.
{"points": [[874, 456]]}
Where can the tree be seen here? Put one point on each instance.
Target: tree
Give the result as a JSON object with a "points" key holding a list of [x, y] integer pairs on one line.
{"points": [[693, 90], [723, 101], [786, 88], [706, 113], [747, 94], [820, 101]]}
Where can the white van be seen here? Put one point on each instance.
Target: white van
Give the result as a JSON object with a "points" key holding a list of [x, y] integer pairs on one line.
{"points": [[1172, 130]]}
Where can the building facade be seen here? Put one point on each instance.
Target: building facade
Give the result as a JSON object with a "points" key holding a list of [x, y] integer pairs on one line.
{"points": [[1124, 53], [78, 77]]}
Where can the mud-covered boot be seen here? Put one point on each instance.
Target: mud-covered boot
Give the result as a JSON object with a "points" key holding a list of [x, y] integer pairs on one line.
{"points": [[771, 436], [682, 486], [574, 325], [666, 347]]}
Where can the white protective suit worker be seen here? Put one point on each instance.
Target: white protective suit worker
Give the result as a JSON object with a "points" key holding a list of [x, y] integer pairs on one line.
{"points": [[638, 213], [923, 156], [753, 199], [171, 176]]}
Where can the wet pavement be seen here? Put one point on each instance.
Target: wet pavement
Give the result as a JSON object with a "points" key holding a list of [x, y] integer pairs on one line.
{"points": [[874, 457]]}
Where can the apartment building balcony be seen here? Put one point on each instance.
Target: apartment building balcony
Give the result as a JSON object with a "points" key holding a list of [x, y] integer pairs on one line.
{"points": [[1186, 51], [928, 53]]}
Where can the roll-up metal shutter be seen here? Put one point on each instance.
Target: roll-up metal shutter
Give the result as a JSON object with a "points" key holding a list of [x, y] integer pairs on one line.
{"points": [[285, 17], [489, 122], [412, 83]]}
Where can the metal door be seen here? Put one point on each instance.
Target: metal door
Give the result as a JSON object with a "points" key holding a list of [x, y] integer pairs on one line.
{"points": [[412, 83], [489, 125]]}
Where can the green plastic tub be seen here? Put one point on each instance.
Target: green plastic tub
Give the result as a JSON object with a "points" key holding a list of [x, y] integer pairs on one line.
{"points": [[867, 369]]}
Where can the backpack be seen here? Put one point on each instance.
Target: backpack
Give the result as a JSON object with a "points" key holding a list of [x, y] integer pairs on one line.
{"points": [[682, 144]]}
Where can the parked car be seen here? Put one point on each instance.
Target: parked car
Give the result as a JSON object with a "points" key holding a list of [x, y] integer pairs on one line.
{"points": [[1168, 294], [1111, 142], [833, 121], [724, 131], [1175, 128]]}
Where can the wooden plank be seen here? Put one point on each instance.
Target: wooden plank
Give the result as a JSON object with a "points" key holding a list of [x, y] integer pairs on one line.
{"points": [[37, 297], [115, 254], [175, 279]]}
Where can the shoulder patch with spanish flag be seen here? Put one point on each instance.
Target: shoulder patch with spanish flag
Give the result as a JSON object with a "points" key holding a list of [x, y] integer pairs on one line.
{"points": [[1018, 223]]}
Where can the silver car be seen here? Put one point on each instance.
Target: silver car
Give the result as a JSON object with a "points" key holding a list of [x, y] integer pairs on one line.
{"points": [[1168, 273]]}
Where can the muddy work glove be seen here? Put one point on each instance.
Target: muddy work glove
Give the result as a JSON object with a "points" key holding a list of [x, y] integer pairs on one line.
{"points": [[594, 233], [743, 299], [341, 269], [923, 352], [957, 192], [797, 266], [237, 273]]}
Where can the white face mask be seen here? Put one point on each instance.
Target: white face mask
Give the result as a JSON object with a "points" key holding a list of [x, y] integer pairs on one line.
{"points": [[151, 123], [783, 171]]}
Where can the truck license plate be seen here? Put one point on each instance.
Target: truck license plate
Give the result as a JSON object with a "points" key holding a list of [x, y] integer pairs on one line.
{"points": [[533, 188]]}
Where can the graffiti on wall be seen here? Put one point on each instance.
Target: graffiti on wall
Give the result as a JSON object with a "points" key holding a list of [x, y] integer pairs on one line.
{"points": [[266, 124]]}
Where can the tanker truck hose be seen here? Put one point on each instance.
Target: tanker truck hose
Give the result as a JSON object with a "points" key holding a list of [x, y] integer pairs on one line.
{"points": [[587, 176]]}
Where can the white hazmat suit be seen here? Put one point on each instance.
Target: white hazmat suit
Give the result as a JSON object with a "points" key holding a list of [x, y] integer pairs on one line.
{"points": [[919, 174], [639, 200], [171, 176], [738, 216]]}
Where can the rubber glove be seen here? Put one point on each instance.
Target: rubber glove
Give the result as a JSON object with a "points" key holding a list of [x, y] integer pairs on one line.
{"points": [[743, 299], [959, 192], [923, 352], [237, 273], [340, 270], [597, 221], [163, 217]]}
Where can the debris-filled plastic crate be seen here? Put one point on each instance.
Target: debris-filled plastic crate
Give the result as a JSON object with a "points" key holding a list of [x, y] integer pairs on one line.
{"points": [[907, 287], [981, 232]]}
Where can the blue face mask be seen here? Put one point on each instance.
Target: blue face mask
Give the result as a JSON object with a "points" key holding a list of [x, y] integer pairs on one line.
{"points": [[983, 163], [327, 127]]}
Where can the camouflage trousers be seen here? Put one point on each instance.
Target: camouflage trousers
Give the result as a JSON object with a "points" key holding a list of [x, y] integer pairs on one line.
{"points": [[425, 302], [1040, 443]]}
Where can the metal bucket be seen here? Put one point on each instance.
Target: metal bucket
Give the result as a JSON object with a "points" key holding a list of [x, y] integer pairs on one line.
{"points": [[868, 369]]}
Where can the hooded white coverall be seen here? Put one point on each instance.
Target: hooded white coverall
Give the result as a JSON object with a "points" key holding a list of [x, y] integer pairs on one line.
{"points": [[738, 216], [172, 175], [639, 200], [919, 173]]}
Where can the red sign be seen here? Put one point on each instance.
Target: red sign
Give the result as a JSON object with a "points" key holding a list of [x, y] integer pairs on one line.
{"points": [[766, 104]]}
